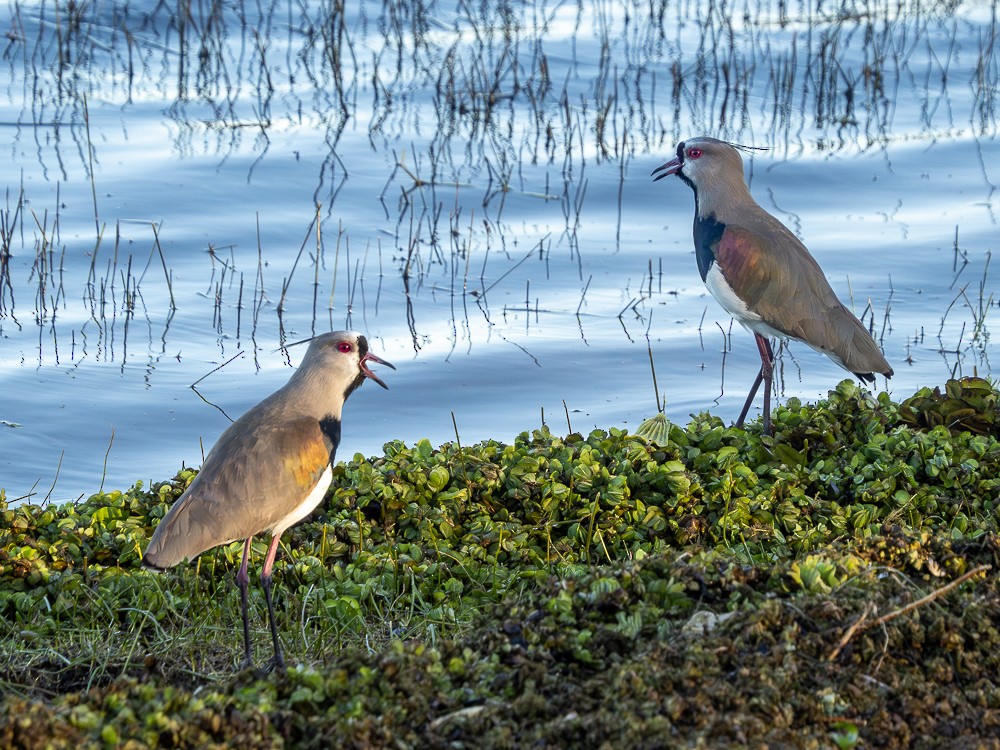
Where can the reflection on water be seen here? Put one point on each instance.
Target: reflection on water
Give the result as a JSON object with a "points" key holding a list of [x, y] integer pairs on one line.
{"points": [[198, 185]]}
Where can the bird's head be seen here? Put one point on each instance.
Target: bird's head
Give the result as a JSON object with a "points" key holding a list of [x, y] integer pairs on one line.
{"points": [[701, 160], [710, 167], [340, 361]]}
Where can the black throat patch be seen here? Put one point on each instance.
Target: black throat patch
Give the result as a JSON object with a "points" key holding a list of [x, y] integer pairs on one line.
{"points": [[356, 383], [330, 426], [680, 171], [707, 233]]}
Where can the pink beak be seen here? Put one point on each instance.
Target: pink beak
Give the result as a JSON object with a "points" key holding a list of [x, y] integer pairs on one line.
{"points": [[665, 170], [369, 357]]}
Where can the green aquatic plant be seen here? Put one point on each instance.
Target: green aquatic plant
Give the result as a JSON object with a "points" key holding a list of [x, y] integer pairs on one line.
{"points": [[969, 404], [491, 590], [656, 429]]}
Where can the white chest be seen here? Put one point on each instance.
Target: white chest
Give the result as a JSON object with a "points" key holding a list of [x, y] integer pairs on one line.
{"points": [[307, 506], [732, 304]]}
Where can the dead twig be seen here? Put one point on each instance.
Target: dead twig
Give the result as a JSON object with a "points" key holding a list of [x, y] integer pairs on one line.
{"points": [[859, 625], [849, 633], [929, 598]]}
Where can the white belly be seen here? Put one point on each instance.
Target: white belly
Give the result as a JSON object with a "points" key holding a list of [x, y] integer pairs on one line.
{"points": [[307, 506], [736, 307], [750, 320]]}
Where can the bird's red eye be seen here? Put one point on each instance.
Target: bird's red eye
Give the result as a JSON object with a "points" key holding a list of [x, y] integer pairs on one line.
{"points": [[343, 347], [694, 153]]}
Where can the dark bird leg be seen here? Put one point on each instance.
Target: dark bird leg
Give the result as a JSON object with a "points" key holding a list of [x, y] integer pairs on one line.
{"points": [[266, 580], [765, 375], [753, 392], [243, 581]]}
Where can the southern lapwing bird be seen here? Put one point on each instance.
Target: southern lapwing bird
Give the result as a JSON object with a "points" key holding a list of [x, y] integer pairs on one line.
{"points": [[269, 469], [760, 272]]}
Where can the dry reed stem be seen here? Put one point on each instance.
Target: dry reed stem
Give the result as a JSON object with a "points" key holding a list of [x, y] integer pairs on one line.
{"points": [[858, 625]]}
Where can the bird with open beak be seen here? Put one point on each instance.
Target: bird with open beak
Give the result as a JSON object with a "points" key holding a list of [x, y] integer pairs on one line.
{"points": [[269, 469]]}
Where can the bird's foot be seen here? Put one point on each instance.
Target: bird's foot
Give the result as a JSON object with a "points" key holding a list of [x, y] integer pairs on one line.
{"points": [[277, 664], [247, 664]]}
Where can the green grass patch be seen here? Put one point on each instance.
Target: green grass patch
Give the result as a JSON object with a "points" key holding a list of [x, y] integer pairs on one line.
{"points": [[714, 587]]}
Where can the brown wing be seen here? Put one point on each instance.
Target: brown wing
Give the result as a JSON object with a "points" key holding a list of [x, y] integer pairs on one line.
{"points": [[253, 477], [779, 280]]}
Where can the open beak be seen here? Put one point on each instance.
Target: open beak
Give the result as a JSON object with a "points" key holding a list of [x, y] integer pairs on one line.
{"points": [[369, 357], [665, 170]]}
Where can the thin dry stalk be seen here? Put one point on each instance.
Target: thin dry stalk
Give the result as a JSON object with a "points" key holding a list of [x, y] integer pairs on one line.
{"points": [[860, 626]]}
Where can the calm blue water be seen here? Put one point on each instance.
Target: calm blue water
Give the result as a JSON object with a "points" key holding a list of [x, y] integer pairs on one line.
{"points": [[514, 280]]}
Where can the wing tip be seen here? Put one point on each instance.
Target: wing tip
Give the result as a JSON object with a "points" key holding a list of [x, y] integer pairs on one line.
{"points": [[151, 563], [869, 377]]}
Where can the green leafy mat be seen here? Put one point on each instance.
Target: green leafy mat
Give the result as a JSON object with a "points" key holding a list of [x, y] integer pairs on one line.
{"points": [[833, 586]]}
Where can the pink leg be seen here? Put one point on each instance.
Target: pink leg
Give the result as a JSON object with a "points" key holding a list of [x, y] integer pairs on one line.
{"points": [[243, 581], [765, 375], [265, 580]]}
